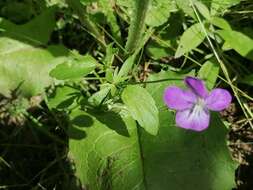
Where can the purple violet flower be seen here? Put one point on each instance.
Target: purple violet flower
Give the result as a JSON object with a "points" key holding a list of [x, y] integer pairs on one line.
{"points": [[192, 105]]}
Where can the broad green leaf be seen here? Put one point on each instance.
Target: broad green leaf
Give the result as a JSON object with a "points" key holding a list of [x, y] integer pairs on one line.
{"points": [[142, 107], [190, 39], [105, 149], [109, 153], [221, 23], [181, 159], [27, 67], [74, 69], [239, 42], [209, 73], [37, 31]]}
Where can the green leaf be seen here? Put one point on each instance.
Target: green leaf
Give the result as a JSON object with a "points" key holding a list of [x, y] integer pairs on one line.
{"points": [[62, 98], [239, 42], [200, 159], [27, 67], [142, 107], [202, 8], [86, 2], [37, 31], [105, 149], [110, 54], [209, 73], [220, 7], [110, 153], [159, 12], [74, 69], [97, 98], [221, 23], [185, 6], [125, 69], [190, 39], [157, 51]]}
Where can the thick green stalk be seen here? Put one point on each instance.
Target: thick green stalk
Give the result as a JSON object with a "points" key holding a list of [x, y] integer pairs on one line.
{"points": [[136, 29]]}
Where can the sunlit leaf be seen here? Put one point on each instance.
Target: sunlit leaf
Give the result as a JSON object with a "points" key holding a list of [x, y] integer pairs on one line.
{"points": [[220, 22], [190, 39], [239, 42], [202, 8], [73, 69], [27, 67], [209, 72], [159, 12], [219, 7], [142, 107]]}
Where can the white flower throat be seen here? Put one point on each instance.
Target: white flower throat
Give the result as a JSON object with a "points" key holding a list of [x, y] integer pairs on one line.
{"points": [[198, 107]]}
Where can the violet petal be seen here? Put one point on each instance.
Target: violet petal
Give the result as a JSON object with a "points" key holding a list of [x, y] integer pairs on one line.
{"points": [[197, 86], [178, 99], [218, 99], [197, 120]]}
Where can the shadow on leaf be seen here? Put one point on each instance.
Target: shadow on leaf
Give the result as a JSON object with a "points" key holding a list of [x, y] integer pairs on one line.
{"points": [[112, 120]]}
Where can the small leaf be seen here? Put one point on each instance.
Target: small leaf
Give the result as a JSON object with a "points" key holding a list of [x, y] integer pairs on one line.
{"points": [[109, 57], [202, 8], [142, 107], [209, 72], [74, 68], [239, 42], [186, 7], [125, 69], [190, 39], [97, 98], [159, 12], [62, 98], [156, 51], [221, 23], [219, 7]]}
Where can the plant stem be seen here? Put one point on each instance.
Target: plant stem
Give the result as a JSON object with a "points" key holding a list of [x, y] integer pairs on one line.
{"points": [[136, 28]]}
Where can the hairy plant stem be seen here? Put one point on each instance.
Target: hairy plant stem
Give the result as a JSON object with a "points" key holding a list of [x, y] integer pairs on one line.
{"points": [[137, 24]]}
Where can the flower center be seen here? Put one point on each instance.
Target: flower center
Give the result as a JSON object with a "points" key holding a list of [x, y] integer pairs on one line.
{"points": [[200, 102], [198, 108]]}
